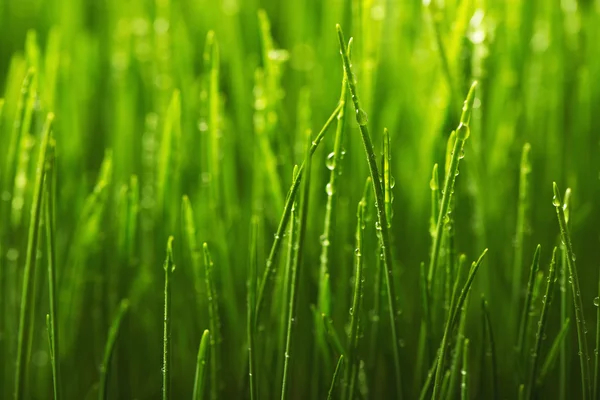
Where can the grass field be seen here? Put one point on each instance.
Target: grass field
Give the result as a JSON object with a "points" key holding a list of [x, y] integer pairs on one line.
{"points": [[233, 199]]}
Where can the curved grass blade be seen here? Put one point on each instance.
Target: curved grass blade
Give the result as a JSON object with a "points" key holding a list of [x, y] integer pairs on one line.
{"points": [[200, 376], [113, 333], [578, 303], [352, 370], [455, 311], [336, 373], [298, 248], [214, 324], [382, 223], [524, 324], [462, 134], [541, 330], [23, 345], [274, 252], [169, 267]]}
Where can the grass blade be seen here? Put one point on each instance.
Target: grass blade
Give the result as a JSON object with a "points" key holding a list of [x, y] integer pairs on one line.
{"points": [[336, 373], [113, 333], [596, 358], [524, 324], [455, 310], [352, 370], [333, 336], [462, 134], [251, 309], [490, 345], [541, 330], [214, 324], [553, 353], [578, 303], [334, 164], [455, 368], [522, 213], [274, 252], [169, 267], [294, 282], [50, 221], [23, 345], [382, 223], [464, 385], [200, 375]]}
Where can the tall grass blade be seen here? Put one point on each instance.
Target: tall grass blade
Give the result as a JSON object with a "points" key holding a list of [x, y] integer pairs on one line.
{"points": [[23, 344], [251, 309], [462, 134], [522, 220], [50, 222], [464, 385], [297, 262], [526, 312], [541, 330], [352, 371], [200, 375], [578, 303], [382, 223], [274, 252], [169, 267], [490, 346], [113, 333], [553, 353], [336, 373], [455, 310], [214, 323], [596, 358]]}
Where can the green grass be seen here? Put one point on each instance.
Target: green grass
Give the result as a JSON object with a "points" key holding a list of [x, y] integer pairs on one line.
{"points": [[246, 131]]}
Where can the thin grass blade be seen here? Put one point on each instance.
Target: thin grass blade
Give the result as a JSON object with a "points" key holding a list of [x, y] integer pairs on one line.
{"points": [[578, 303], [113, 334], [200, 375], [23, 345]]}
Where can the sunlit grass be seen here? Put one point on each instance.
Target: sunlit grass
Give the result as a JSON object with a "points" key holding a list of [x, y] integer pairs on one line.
{"points": [[244, 132]]}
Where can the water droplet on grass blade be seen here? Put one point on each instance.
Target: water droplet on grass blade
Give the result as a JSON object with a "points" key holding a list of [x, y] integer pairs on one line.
{"points": [[555, 201], [597, 301], [330, 162], [329, 189], [361, 117]]}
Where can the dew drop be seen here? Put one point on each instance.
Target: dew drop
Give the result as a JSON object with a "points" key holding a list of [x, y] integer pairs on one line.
{"points": [[597, 301], [555, 201], [330, 162], [361, 117], [377, 226], [329, 189], [392, 182], [573, 257], [461, 155]]}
